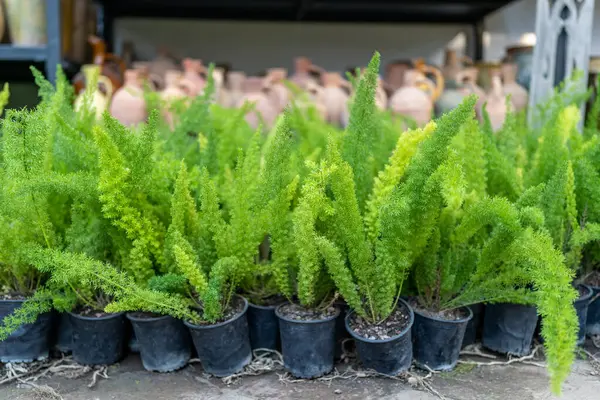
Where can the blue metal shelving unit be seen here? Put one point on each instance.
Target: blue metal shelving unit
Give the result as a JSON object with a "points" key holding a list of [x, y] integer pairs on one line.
{"points": [[50, 54]]}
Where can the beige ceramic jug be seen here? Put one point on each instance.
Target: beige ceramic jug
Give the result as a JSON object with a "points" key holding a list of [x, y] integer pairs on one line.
{"points": [[468, 79], [415, 99], [518, 94], [99, 101], [335, 96], [279, 93], [192, 70], [176, 88], [497, 107], [128, 105], [256, 92], [235, 80]]}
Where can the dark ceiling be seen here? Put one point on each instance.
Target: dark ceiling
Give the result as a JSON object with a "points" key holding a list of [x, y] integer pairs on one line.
{"points": [[401, 11]]}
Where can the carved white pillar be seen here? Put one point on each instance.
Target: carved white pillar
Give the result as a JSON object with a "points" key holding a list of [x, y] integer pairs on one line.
{"points": [[563, 41]]}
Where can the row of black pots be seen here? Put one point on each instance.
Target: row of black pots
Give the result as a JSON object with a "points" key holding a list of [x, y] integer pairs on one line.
{"points": [[309, 347]]}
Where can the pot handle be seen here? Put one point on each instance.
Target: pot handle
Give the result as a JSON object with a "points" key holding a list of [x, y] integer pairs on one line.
{"points": [[117, 60], [107, 85], [438, 87]]}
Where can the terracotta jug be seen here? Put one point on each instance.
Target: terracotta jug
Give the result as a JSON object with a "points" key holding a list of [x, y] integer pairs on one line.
{"points": [[279, 93], [416, 98], [469, 78], [334, 97], [154, 81], [91, 73], [453, 65], [111, 66], [192, 70], [518, 94], [394, 74], [176, 88], [256, 91], [497, 104], [303, 69], [128, 105]]}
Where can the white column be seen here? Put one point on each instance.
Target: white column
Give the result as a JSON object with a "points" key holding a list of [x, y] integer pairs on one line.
{"points": [[563, 41]]}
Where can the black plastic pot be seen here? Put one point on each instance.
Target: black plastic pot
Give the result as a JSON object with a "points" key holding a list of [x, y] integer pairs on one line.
{"points": [[164, 342], [581, 306], [475, 325], [98, 340], [341, 333], [308, 347], [263, 326], [592, 326], [223, 348], [390, 356], [509, 328], [28, 343], [64, 333], [437, 342]]}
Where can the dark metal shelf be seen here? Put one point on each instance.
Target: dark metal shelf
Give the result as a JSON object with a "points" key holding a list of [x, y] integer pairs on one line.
{"points": [[405, 11]]}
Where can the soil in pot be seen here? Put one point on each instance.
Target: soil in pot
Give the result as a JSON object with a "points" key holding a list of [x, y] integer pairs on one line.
{"points": [[387, 346], [438, 336], [31, 341], [98, 338], [263, 324], [593, 314], [224, 348], [307, 339], [475, 325], [164, 342], [509, 328]]}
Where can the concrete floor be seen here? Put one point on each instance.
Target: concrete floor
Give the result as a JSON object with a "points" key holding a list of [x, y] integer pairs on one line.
{"points": [[128, 381]]}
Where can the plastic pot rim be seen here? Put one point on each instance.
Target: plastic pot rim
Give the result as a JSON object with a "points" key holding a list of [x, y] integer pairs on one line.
{"points": [[146, 319], [587, 296], [310, 321], [266, 308], [450, 321], [367, 340], [105, 317], [219, 324]]}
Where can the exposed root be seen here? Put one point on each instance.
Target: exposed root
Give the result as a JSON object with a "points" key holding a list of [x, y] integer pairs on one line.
{"points": [[594, 361], [476, 350], [521, 360], [28, 373], [264, 361], [42, 392]]}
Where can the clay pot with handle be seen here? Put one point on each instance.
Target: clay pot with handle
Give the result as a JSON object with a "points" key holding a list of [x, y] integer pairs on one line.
{"points": [[416, 98], [394, 74], [256, 91], [176, 88], [279, 94], [155, 82], [128, 105], [303, 70], [111, 66], [99, 100], [192, 70], [518, 94], [497, 107], [454, 65], [469, 80], [334, 97], [235, 80]]}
